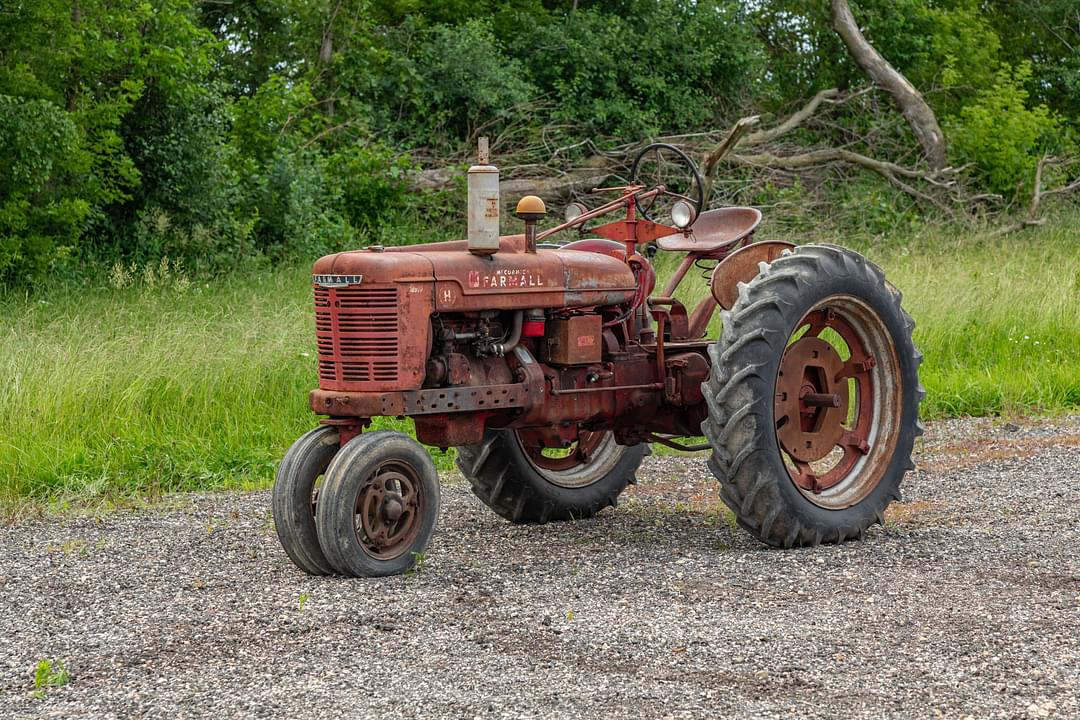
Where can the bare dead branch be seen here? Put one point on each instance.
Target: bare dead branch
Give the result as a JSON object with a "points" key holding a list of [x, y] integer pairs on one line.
{"points": [[912, 106], [794, 120], [729, 143], [816, 158], [1037, 194], [551, 186]]}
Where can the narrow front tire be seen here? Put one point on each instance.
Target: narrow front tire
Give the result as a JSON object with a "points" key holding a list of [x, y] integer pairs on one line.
{"points": [[379, 505], [295, 496]]}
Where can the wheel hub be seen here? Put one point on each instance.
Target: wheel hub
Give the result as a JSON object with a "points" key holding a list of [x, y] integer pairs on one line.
{"points": [[825, 407], [391, 509], [811, 399], [387, 513], [578, 453]]}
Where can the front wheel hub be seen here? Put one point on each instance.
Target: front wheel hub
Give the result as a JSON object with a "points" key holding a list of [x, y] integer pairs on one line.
{"points": [[391, 509], [387, 511]]}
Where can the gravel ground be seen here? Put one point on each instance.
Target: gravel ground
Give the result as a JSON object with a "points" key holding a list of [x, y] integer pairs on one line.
{"points": [[967, 603]]}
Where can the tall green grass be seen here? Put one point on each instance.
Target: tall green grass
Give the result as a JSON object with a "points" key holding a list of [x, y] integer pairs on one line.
{"points": [[106, 393], [998, 319]]}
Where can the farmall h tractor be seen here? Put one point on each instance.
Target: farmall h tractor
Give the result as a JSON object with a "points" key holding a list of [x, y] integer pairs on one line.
{"points": [[551, 366]]}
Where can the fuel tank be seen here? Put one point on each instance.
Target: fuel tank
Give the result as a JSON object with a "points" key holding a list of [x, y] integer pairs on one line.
{"points": [[510, 279]]}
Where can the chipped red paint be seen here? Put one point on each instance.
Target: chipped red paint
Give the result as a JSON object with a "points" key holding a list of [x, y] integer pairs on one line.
{"points": [[436, 333]]}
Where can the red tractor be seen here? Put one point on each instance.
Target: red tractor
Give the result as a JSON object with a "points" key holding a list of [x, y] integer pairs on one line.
{"points": [[552, 367]]}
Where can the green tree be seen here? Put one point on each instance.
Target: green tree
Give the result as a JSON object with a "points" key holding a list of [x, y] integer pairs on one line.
{"points": [[41, 217], [1002, 135]]}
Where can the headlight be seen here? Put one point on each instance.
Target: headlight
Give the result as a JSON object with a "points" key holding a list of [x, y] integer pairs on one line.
{"points": [[682, 214], [573, 211]]}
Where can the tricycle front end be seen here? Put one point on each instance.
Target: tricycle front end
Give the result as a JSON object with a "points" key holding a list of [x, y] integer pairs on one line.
{"points": [[551, 368]]}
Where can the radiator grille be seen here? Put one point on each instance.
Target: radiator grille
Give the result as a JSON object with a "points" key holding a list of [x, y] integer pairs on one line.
{"points": [[356, 329]]}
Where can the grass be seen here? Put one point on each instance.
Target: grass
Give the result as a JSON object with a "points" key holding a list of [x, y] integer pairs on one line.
{"points": [[109, 394], [998, 320]]}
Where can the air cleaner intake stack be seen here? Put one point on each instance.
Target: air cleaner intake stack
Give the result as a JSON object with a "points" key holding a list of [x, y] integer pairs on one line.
{"points": [[483, 204]]}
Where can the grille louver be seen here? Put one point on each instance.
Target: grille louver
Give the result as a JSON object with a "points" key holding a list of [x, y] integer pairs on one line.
{"points": [[356, 331]]}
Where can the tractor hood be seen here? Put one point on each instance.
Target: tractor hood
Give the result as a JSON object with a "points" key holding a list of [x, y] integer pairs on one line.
{"points": [[510, 279]]}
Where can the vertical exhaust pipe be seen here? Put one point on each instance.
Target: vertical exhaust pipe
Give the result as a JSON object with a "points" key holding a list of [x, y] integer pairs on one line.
{"points": [[483, 237]]}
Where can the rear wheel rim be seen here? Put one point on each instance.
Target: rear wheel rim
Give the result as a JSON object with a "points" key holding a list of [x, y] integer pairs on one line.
{"points": [[838, 402], [584, 463], [389, 509]]}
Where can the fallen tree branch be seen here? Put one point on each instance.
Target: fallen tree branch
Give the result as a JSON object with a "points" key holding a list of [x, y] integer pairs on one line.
{"points": [[816, 158], [1032, 218], [729, 143], [912, 106], [560, 185], [794, 120]]}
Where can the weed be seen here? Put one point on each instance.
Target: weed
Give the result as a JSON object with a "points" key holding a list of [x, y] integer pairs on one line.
{"points": [[49, 674], [302, 601], [70, 547]]}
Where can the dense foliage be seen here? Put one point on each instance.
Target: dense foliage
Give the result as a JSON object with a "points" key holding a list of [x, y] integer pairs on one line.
{"points": [[216, 133]]}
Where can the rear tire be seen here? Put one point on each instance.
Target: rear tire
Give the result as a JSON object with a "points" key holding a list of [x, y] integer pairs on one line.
{"points": [[772, 454], [294, 498], [519, 488]]}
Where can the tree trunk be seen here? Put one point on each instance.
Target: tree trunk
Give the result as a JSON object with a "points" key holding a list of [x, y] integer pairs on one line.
{"points": [[75, 76], [914, 109], [326, 57]]}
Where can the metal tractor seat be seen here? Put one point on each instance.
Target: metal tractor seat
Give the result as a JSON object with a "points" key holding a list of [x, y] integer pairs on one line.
{"points": [[714, 230]]}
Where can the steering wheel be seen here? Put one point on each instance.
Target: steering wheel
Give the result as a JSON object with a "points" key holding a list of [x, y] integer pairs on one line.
{"points": [[667, 165]]}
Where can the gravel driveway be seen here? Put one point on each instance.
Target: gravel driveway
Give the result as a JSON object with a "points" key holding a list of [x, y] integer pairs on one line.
{"points": [[967, 603]]}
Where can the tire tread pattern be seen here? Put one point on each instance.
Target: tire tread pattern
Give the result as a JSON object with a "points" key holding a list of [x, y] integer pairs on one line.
{"points": [[502, 477], [736, 392]]}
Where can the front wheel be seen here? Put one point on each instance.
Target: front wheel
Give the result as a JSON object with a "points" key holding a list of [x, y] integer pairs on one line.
{"points": [[378, 506], [813, 398], [295, 496]]}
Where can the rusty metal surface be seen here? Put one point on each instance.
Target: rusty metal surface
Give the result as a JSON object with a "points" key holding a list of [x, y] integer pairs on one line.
{"points": [[638, 231], [686, 373], [807, 431], [488, 398], [415, 331], [714, 229], [673, 314], [511, 280], [574, 340], [372, 336], [446, 430], [610, 248], [389, 510], [742, 266], [580, 451], [848, 405]]}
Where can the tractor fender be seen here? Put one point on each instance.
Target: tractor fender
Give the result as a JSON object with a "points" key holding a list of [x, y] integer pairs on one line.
{"points": [[742, 266]]}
